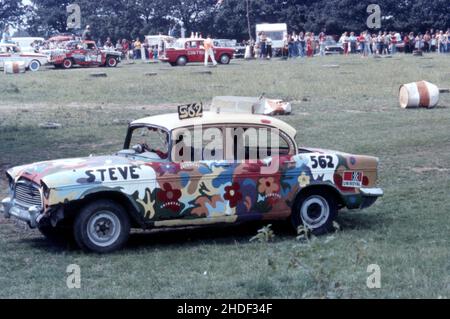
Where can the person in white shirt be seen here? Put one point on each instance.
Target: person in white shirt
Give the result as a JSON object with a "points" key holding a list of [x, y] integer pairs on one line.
{"points": [[209, 52], [442, 42]]}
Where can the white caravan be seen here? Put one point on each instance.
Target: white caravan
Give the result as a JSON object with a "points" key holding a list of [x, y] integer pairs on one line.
{"points": [[275, 31]]}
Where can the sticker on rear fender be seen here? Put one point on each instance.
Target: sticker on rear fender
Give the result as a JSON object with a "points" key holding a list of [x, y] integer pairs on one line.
{"points": [[352, 179]]}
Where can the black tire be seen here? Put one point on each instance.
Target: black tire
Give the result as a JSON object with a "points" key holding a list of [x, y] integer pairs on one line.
{"points": [[182, 61], [111, 62], [316, 210], [224, 59], [102, 226], [172, 63], [67, 63]]}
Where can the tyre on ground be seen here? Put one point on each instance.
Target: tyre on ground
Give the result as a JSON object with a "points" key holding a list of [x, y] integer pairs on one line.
{"points": [[182, 61], [315, 210], [101, 226], [224, 59]]}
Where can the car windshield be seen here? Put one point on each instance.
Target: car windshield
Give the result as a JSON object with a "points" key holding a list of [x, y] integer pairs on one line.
{"points": [[150, 142]]}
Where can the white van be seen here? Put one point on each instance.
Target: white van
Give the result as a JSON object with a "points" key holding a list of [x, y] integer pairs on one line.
{"points": [[24, 43], [275, 31]]}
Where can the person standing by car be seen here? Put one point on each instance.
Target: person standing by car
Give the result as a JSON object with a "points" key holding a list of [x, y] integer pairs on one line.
{"points": [[344, 40], [108, 44], [87, 34], [125, 49], [322, 39], [119, 47], [352, 39], [263, 45], [269, 48], [209, 52], [137, 49], [442, 42], [6, 36], [301, 45]]}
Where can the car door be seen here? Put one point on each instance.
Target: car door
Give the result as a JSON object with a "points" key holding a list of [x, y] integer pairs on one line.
{"points": [[204, 179], [194, 51], [259, 157]]}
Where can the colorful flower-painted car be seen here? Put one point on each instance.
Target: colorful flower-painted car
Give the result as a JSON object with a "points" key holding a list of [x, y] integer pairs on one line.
{"points": [[190, 169], [83, 53], [186, 51]]}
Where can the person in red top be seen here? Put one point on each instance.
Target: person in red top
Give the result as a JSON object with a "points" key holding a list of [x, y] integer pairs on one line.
{"points": [[209, 52], [125, 49], [309, 45]]}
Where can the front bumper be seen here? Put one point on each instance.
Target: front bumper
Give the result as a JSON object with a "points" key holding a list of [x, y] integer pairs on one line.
{"points": [[31, 215], [369, 196]]}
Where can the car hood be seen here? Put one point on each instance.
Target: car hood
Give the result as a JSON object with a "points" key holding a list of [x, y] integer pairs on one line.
{"points": [[79, 171]]}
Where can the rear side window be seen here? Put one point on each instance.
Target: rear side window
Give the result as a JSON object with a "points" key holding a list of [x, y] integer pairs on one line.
{"points": [[254, 143]]}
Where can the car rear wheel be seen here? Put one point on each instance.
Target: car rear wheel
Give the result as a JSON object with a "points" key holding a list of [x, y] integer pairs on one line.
{"points": [[67, 64], [182, 61], [224, 59], [111, 62], [34, 66], [316, 211], [102, 226]]}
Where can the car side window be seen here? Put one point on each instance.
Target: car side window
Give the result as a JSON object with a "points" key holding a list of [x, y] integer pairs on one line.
{"points": [[197, 144], [254, 143]]}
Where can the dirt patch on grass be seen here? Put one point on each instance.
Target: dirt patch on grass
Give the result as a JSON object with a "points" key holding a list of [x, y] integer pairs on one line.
{"points": [[421, 170]]}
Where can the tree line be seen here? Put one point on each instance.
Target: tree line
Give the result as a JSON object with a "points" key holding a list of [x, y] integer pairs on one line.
{"points": [[223, 19]]}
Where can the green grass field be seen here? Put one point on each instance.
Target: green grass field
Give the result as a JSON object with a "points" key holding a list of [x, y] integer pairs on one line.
{"points": [[352, 108]]}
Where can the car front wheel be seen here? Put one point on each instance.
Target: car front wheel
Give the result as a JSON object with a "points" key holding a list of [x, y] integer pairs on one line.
{"points": [[316, 211], [102, 226]]}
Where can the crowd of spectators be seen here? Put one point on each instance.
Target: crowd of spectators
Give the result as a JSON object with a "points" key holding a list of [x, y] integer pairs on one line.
{"points": [[308, 44], [303, 44]]}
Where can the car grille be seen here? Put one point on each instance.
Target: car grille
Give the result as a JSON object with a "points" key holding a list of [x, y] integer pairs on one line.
{"points": [[27, 194]]}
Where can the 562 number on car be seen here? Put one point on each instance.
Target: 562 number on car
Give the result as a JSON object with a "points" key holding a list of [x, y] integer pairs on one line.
{"points": [[322, 161], [190, 111]]}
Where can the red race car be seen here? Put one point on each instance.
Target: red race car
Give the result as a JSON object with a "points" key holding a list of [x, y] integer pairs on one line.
{"points": [[191, 50], [83, 53]]}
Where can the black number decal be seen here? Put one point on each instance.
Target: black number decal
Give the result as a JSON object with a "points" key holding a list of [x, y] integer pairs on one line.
{"points": [[330, 161], [322, 161], [315, 162]]}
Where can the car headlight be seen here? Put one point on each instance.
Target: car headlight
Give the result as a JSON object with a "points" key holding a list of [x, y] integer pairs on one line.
{"points": [[10, 184], [45, 190]]}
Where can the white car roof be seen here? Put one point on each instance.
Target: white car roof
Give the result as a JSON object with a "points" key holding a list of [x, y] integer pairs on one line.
{"points": [[171, 121]]}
